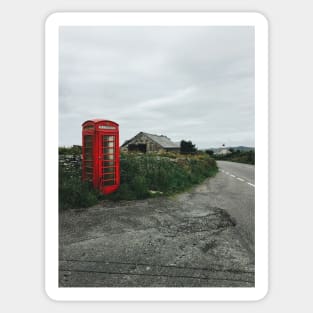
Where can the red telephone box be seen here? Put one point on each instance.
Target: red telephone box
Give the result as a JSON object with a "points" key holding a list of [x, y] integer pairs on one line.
{"points": [[101, 158]]}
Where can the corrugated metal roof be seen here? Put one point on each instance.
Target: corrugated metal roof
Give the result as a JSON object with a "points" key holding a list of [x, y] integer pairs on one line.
{"points": [[162, 140]]}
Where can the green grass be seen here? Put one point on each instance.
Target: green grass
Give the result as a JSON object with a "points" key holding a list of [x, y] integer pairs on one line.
{"points": [[142, 176], [73, 193]]}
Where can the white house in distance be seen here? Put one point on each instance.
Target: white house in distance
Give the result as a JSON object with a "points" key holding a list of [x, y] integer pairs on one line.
{"points": [[222, 152]]}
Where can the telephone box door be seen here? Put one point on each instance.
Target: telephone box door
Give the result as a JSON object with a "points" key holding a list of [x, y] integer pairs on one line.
{"points": [[107, 163], [88, 157]]}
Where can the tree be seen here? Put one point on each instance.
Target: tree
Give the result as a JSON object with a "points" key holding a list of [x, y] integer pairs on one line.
{"points": [[187, 147], [209, 152]]}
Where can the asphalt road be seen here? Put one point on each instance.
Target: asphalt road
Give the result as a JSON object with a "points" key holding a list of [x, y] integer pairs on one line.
{"points": [[233, 189], [200, 238]]}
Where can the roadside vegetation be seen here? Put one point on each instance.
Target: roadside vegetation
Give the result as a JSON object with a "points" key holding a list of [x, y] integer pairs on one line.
{"points": [[247, 157], [142, 176], [72, 151]]}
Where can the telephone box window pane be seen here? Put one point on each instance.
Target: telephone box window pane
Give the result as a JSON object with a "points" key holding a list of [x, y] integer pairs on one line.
{"points": [[108, 176], [88, 157], [108, 169], [88, 154], [88, 148], [108, 150], [108, 144], [88, 141], [108, 163], [108, 182], [108, 138], [88, 171], [109, 157]]}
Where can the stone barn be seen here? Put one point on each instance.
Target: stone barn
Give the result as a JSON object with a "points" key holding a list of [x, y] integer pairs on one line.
{"points": [[144, 143]]}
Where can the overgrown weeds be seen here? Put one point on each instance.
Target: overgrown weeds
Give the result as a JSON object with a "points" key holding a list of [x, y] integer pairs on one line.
{"points": [[142, 176]]}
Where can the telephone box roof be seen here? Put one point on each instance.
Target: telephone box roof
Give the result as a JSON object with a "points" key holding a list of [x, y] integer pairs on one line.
{"points": [[98, 120]]}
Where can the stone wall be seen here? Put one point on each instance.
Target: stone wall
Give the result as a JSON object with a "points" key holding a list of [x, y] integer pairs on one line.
{"points": [[70, 162]]}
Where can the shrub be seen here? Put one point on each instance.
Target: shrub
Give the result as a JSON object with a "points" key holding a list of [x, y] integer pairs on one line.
{"points": [[74, 150], [142, 176], [187, 147], [73, 193]]}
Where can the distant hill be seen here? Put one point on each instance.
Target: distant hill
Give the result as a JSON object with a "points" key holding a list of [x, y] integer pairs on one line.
{"points": [[239, 154], [240, 148]]}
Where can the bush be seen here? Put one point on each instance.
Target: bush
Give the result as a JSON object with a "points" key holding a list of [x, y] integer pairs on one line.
{"points": [[142, 176], [209, 152], [74, 150], [187, 147], [145, 175], [73, 193]]}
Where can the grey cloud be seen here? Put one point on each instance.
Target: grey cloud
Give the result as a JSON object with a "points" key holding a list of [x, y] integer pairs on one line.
{"points": [[193, 83]]}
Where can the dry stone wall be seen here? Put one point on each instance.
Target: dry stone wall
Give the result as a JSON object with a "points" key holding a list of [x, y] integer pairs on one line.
{"points": [[70, 162]]}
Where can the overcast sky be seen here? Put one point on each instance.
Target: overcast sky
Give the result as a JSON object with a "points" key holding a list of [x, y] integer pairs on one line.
{"points": [[191, 83]]}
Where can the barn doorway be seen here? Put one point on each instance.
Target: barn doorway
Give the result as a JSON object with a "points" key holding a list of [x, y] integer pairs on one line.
{"points": [[140, 147]]}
